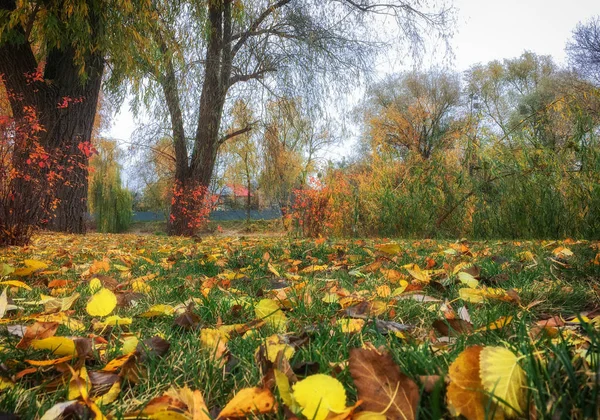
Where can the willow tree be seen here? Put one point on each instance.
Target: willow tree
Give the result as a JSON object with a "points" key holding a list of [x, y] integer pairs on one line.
{"points": [[53, 54], [110, 203], [207, 52]]}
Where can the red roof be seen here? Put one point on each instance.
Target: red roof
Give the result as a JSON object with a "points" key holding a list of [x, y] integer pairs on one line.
{"points": [[239, 191]]}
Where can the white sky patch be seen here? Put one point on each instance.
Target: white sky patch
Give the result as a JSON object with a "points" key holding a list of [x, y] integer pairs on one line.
{"points": [[485, 30]]}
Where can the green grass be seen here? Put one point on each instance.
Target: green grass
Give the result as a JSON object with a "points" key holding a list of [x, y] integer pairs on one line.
{"points": [[561, 371]]}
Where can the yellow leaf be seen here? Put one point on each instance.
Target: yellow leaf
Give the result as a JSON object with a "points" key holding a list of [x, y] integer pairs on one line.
{"points": [[471, 295], [562, 252], [383, 291], [415, 271], [101, 303], [35, 264], [6, 269], [249, 401], [319, 395], [43, 363], [95, 285], [15, 283], [110, 396], [140, 287], [129, 344], [502, 377], [501, 322], [6, 383], [399, 290], [110, 321], [158, 310], [274, 344], [75, 386], [314, 268], [60, 346], [196, 406], [269, 310], [59, 304], [62, 319], [390, 248], [215, 341], [273, 270], [468, 279], [349, 326], [330, 298], [283, 386]]}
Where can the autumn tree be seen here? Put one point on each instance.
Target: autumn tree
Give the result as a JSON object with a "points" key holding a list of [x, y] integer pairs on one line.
{"points": [[292, 145], [52, 59], [207, 51], [243, 163], [584, 49], [110, 203], [415, 112]]}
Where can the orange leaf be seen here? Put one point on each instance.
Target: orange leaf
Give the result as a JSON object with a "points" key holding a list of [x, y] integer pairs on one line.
{"points": [[466, 395], [249, 401]]}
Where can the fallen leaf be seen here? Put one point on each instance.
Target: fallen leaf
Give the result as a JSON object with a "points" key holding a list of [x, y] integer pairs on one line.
{"points": [[38, 330], [319, 395], [381, 386], [268, 310], [350, 326], [158, 310], [501, 322], [15, 283], [452, 327], [502, 377], [102, 303], [390, 248], [465, 392], [249, 401], [60, 346]]}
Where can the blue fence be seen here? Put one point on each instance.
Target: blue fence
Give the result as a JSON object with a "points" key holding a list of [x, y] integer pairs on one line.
{"points": [[218, 215]]}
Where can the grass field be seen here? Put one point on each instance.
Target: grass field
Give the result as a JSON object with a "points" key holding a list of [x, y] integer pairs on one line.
{"points": [[218, 332]]}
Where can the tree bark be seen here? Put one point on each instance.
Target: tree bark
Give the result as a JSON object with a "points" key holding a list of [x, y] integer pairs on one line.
{"points": [[65, 104]]}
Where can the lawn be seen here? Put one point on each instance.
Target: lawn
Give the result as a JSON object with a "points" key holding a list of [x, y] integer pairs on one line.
{"points": [[148, 326]]}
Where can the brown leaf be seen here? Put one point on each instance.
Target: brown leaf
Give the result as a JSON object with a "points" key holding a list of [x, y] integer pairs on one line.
{"points": [[153, 346], [472, 270], [126, 298], [38, 330], [381, 386], [188, 320], [452, 327]]}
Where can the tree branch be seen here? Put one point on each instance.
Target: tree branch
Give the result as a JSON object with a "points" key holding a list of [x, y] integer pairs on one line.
{"points": [[258, 74], [236, 133], [243, 37]]}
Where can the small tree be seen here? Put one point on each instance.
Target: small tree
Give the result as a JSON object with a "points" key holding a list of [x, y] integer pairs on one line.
{"points": [[584, 49], [110, 202]]}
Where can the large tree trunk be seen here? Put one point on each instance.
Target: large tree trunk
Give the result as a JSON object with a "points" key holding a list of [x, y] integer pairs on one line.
{"points": [[65, 105], [70, 137], [191, 194]]}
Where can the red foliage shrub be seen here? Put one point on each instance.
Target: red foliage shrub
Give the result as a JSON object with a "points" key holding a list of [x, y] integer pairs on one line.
{"points": [[190, 208]]}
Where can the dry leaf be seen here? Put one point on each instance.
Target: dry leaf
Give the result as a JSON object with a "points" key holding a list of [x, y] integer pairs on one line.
{"points": [[382, 387], [465, 392], [249, 401]]}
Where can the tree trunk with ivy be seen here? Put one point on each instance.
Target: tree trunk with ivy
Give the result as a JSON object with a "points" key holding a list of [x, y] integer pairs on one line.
{"points": [[65, 105]]}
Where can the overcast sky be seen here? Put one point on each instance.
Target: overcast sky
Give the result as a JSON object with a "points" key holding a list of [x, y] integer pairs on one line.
{"points": [[486, 30]]}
